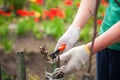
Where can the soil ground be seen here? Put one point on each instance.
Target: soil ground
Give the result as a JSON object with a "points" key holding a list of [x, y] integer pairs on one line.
{"points": [[35, 63]]}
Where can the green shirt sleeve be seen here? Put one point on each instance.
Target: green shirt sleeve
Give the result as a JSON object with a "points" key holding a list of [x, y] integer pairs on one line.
{"points": [[112, 16]]}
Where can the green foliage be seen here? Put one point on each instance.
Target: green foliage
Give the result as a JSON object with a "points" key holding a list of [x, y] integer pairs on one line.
{"points": [[85, 34], [1, 2], [50, 4], [25, 25], [69, 14], [5, 76], [4, 34], [35, 7], [3, 31], [18, 4], [36, 32], [54, 27], [6, 43], [5, 20]]}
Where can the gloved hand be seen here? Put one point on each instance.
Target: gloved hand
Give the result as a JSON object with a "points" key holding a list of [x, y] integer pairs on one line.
{"points": [[76, 57], [69, 38]]}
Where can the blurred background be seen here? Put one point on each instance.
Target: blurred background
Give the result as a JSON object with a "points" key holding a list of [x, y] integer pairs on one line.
{"points": [[29, 24]]}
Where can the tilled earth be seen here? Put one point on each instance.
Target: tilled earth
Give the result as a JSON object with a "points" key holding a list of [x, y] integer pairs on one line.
{"points": [[35, 63]]}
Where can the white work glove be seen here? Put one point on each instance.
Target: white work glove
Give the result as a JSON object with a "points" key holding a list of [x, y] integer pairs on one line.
{"points": [[69, 38], [76, 57]]}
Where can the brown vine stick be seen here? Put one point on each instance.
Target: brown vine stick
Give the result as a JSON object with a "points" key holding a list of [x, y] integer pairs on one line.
{"points": [[0, 72]]}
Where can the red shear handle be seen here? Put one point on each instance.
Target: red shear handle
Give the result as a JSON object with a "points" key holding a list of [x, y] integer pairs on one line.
{"points": [[62, 47]]}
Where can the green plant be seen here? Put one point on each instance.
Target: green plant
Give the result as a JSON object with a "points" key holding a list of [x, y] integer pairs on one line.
{"points": [[54, 27], [5, 41], [25, 25], [69, 14], [17, 4], [5, 76], [85, 34], [36, 7], [4, 37], [36, 32], [48, 4]]}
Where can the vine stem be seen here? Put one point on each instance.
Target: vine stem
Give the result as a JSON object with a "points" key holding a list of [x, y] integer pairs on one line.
{"points": [[0, 72], [94, 35]]}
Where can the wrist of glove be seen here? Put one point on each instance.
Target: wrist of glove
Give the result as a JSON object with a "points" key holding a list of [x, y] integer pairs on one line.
{"points": [[69, 38], [75, 58]]}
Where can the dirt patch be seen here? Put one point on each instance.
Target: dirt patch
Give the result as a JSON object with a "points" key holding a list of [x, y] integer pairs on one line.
{"points": [[30, 43], [34, 60]]}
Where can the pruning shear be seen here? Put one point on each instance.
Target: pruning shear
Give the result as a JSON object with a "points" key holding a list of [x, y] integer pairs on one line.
{"points": [[59, 50], [57, 74]]}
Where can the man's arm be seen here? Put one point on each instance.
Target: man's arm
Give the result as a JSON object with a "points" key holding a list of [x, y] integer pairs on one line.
{"points": [[72, 34], [111, 36], [78, 56], [86, 9]]}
